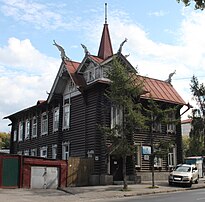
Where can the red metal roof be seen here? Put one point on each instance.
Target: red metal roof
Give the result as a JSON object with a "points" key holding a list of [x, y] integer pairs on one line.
{"points": [[105, 49], [77, 78], [96, 59], [161, 90]]}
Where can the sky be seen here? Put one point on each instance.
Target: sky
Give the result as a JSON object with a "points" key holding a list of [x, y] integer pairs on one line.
{"points": [[163, 36]]}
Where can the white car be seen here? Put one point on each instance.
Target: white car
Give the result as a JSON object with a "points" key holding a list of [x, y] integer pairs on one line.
{"points": [[184, 174]]}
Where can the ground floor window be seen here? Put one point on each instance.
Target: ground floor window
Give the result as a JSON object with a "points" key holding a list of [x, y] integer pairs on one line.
{"points": [[65, 150], [43, 152], [33, 152], [54, 151]]}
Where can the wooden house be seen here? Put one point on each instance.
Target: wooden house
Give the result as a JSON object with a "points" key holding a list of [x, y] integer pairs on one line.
{"points": [[66, 123]]}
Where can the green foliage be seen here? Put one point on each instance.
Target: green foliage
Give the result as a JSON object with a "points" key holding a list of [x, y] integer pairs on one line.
{"points": [[4, 140], [197, 133], [186, 145], [124, 93], [199, 4]]}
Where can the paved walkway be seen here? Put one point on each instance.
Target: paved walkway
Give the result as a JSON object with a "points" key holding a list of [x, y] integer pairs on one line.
{"points": [[92, 193], [89, 193]]}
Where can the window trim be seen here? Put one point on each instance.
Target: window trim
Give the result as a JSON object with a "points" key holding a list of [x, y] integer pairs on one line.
{"points": [[27, 129], [138, 154], [42, 149], [54, 118], [34, 126], [65, 155], [21, 131], [68, 113], [34, 151], [44, 123], [54, 148]]}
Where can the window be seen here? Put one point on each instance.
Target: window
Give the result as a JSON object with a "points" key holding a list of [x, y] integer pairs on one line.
{"points": [[54, 151], [65, 150], [137, 155], [171, 127], [33, 152], [15, 135], [44, 123], [116, 116], [97, 72], [43, 152], [66, 113], [156, 125], [26, 152], [157, 162], [56, 119], [172, 157], [20, 137], [34, 127], [27, 129]]}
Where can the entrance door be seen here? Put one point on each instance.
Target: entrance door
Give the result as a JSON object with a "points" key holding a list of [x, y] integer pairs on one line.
{"points": [[116, 168]]}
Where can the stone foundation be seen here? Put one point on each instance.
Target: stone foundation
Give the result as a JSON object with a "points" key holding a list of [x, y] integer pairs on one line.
{"points": [[147, 176]]}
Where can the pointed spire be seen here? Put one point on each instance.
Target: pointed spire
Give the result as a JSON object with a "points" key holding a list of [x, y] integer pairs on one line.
{"points": [[105, 49]]}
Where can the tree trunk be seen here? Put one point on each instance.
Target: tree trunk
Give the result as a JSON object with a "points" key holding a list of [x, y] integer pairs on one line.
{"points": [[125, 186]]}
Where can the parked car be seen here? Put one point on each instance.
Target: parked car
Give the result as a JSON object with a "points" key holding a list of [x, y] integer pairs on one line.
{"points": [[184, 174]]}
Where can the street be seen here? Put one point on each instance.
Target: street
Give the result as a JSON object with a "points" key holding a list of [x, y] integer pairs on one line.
{"points": [[188, 196]]}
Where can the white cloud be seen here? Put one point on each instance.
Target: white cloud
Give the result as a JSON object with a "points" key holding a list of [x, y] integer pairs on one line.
{"points": [[160, 13], [26, 75], [47, 16]]}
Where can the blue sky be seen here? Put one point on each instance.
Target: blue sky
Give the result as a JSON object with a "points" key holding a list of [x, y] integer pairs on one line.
{"points": [[163, 36]]}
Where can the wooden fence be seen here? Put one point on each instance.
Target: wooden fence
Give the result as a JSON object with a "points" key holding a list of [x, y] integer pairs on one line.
{"points": [[79, 171]]}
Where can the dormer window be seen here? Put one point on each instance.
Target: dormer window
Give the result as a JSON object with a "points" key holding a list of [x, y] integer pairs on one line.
{"points": [[92, 73]]}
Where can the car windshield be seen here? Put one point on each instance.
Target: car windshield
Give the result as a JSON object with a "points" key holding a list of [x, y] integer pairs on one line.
{"points": [[183, 169]]}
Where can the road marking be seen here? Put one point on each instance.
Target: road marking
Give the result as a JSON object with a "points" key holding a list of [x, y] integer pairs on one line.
{"points": [[199, 199]]}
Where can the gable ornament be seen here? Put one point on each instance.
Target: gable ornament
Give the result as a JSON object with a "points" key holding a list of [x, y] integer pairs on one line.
{"points": [[62, 51]]}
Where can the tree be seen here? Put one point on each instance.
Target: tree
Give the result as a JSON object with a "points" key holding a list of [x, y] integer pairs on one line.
{"points": [[124, 96], [197, 133], [4, 140], [199, 4], [155, 116]]}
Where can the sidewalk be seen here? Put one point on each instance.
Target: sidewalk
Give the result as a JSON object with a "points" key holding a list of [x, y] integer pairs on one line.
{"points": [[92, 193]]}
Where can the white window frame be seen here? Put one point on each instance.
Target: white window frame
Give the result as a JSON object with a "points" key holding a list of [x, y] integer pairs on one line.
{"points": [[172, 158], [20, 135], [138, 154], [66, 113], [171, 127], [27, 129], [54, 151], [15, 136], [34, 127], [56, 113], [44, 123], [65, 150], [116, 116], [26, 152], [34, 152], [157, 162], [42, 150]]}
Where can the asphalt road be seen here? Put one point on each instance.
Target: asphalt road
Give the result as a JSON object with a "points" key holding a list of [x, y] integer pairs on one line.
{"points": [[197, 195]]}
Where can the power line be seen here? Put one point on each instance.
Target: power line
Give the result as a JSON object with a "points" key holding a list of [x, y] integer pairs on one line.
{"points": [[185, 78]]}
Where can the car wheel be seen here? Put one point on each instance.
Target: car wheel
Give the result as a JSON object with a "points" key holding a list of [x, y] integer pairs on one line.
{"points": [[190, 183], [170, 183], [197, 180]]}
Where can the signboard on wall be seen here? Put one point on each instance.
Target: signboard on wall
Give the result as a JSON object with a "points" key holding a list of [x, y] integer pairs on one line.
{"points": [[146, 150]]}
